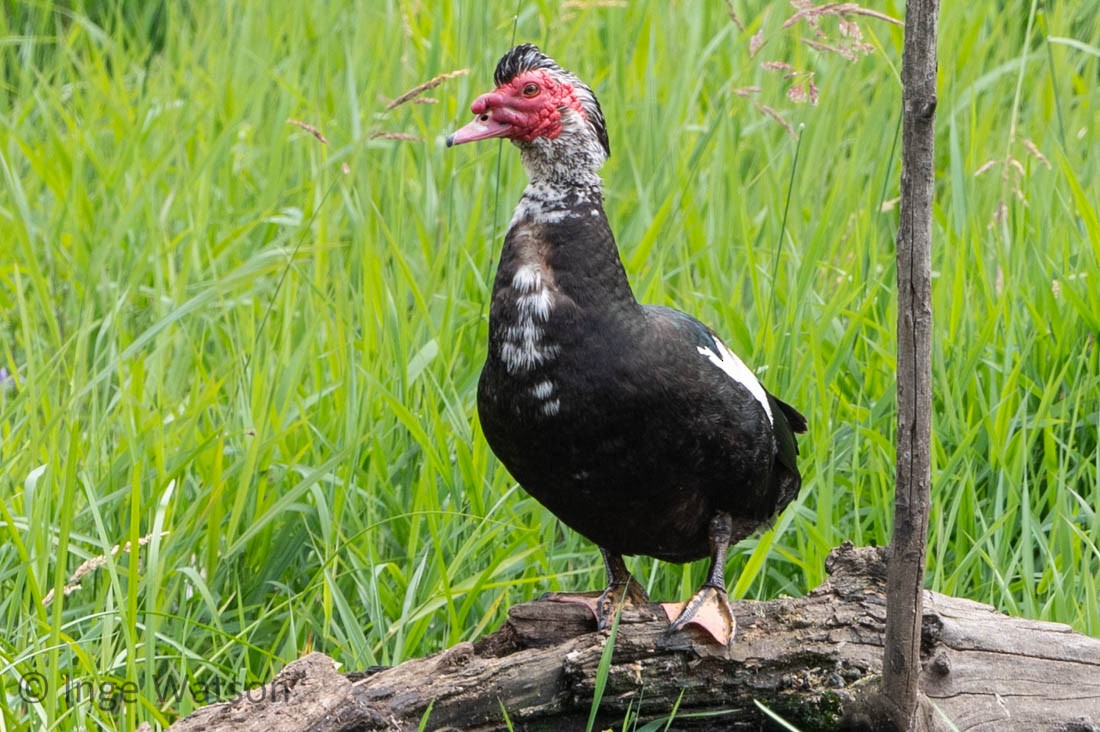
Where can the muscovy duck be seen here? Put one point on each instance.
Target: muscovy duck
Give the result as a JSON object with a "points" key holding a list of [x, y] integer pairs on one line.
{"points": [[634, 424]]}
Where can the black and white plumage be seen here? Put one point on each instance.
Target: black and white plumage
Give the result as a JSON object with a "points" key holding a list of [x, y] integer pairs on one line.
{"points": [[634, 424]]}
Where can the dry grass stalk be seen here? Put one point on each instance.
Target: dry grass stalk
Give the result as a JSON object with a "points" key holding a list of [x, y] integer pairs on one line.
{"points": [[733, 15], [1013, 176], [804, 91], [756, 43], [987, 165], [382, 135], [308, 128], [1032, 148], [775, 115], [810, 12], [93, 564], [849, 51], [426, 86]]}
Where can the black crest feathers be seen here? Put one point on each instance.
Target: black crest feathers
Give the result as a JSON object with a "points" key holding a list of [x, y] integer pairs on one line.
{"points": [[522, 58]]}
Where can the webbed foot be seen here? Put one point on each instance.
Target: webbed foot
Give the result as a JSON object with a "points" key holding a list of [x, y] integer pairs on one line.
{"points": [[622, 589], [708, 609]]}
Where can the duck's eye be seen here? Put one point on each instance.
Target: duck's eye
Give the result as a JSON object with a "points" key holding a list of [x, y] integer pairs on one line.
{"points": [[530, 90]]}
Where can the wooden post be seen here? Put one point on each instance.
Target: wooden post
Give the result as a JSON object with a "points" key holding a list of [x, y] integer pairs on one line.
{"points": [[905, 578]]}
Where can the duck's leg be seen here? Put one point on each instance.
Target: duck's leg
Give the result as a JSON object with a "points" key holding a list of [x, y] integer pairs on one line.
{"points": [[709, 608], [621, 588]]}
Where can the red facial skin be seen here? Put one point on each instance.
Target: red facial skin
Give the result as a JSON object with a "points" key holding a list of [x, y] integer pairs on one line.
{"points": [[525, 108]]}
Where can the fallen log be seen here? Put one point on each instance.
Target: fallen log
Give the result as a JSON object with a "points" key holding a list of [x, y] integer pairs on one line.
{"points": [[809, 660]]}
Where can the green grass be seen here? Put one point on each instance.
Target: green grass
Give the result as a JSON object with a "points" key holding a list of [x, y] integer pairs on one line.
{"points": [[218, 341]]}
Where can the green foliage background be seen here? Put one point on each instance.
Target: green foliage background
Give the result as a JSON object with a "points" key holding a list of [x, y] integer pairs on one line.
{"points": [[255, 354]]}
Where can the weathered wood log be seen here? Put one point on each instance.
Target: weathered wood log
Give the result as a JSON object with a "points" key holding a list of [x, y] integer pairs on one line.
{"points": [[808, 659]]}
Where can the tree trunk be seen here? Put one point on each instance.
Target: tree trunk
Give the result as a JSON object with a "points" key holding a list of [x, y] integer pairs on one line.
{"points": [[808, 659], [914, 455]]}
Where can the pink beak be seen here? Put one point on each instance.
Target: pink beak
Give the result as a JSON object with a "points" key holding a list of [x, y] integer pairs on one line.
{"points": [[494, 119], [482, 128]]}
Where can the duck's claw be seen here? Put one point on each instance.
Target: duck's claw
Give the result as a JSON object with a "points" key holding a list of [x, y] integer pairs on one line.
{"points": [[708, 609], [628, 592]]}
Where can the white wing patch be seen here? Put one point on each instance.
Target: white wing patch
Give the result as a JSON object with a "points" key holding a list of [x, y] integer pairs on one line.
{"points": [[542, 390], [736, 369], [523, 348], [527, 279]]}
